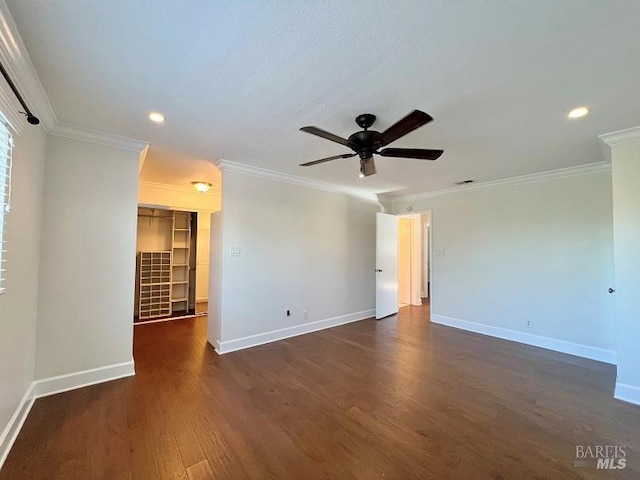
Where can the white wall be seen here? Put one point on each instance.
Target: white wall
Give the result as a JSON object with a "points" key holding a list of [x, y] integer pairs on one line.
{"points": [[539, 251], [86, 291], [214, 311], [301, 249], [18, 305], [202, 256], [626, 217], [179, 198]]}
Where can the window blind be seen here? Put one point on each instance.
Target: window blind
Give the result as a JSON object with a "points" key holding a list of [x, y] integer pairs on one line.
{"points": [[6, 145]]}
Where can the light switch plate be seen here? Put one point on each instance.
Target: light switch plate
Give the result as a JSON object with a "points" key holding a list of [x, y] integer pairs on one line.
{"points": [[235, 251]]}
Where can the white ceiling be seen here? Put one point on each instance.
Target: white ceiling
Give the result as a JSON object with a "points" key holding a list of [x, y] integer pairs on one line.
{"points": [[237, 79], [173, 169]]}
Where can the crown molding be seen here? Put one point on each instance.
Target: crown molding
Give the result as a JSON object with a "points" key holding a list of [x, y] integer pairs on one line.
{"points": [[16, 60], [587, 169], [628, 135], [227, 165], [99, 138], [143, 157], [179, 188]]}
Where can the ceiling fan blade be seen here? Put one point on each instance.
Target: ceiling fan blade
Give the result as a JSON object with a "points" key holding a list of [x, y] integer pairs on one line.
{"points": [[328, 159], [419, 153], [324, 134], [408, 124]]}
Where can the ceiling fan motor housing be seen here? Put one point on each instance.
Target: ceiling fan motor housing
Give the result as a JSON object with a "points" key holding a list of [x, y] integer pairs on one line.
{"points": [[365, 142], [365, 120]]}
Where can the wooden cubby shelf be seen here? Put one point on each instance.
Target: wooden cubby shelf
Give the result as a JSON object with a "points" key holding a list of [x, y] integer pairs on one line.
{"points": [[155, 284]]}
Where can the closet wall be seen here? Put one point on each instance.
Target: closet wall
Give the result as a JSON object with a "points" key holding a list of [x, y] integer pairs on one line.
{"points": [[154, 230]]}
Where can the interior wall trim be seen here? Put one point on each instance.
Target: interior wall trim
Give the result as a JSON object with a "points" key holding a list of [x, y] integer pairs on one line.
{"points": [[227, 165], [178, 188], [627, 393], [51, 386], [16, 60], [99, 138], [85, 378], [587, 169], [562, 346], [11, 431], [228, 346], [628, 135]]}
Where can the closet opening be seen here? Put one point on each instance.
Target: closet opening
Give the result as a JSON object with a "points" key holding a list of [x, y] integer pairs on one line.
{"points": [[166, 265]]}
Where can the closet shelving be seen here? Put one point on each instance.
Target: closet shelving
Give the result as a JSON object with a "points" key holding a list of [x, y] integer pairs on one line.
{"points": [[181, 249], [155, 284], [165, 265]]}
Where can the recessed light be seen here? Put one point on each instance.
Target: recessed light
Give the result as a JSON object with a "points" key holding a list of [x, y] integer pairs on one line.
{"points": [[578, 112], [157, 117]]}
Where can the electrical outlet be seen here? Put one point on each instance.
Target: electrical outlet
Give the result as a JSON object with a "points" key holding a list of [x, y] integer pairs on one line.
{"points": [[305, 314], [529, 323], [439, 252], [234, 251]]}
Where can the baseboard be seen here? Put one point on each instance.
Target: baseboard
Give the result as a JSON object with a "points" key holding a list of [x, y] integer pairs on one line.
{"points": [[51, 386], [85, 378], [16, 421], [627, 393], [274, 335], [562, 346]]}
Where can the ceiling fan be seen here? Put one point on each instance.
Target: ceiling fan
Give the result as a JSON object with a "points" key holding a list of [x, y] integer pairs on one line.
{"points": [[367, 142]]}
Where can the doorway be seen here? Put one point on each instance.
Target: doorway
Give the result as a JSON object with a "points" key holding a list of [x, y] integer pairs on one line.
{"points": [[411, 262], [165, 287], [414, 273]]}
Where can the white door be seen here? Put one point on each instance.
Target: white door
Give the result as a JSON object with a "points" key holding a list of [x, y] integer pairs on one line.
{"points": [[386, 265]]}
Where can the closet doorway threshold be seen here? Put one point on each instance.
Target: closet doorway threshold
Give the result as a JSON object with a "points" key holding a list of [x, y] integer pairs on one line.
{"points": [[181, 316]]}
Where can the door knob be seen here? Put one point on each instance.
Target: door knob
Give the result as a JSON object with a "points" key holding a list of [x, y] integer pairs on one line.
{"points": [[612, 290]]}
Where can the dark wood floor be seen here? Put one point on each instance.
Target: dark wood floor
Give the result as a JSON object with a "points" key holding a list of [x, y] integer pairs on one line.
{"points": [[393, 399]]}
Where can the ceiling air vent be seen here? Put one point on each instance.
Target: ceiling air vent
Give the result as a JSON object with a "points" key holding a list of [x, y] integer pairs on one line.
{"points": [[464, 182]]}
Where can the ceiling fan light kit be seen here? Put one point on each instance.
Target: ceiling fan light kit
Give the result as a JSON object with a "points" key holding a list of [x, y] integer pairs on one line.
{"points": [[367, 143], [201, 186], [367, 166]]}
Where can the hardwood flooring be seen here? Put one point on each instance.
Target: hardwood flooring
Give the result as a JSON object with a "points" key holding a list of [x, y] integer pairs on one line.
{"points": [[395, 399], [200, 309]]}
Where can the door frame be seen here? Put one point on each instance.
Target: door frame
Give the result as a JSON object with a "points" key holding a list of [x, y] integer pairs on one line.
{"points": [[426, 232], [417, 214]]}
